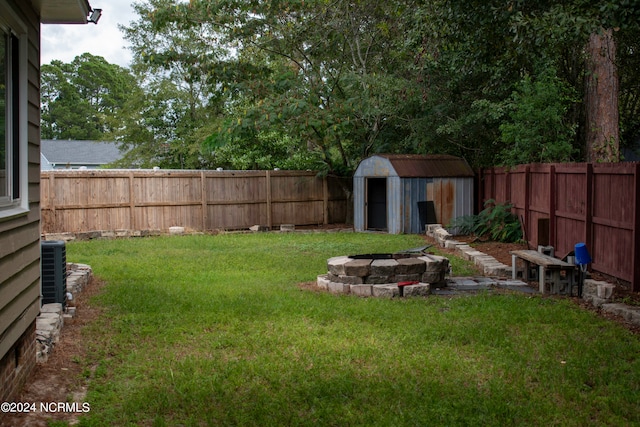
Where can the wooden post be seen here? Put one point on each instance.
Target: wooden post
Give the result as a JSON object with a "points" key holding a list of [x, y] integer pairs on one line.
{"points": [[635, 275], [203, 197], [325, 201], [552, 207], [52, 201], [588, 220], [268, 184], [527, 201], [132, 203], [507, 187]]}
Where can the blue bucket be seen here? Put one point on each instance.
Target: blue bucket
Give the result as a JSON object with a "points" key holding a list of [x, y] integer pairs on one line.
{"points": [[582, 254]]}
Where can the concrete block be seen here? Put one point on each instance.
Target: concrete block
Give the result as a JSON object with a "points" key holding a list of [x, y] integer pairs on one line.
{"points": [[480, 260], [408, 277], [421, 289], [452, 244], [605, 290], [176, 231], [410, 266], [335, 265], [379, 280], [434, 263], [383, 267], [590, 287], [55, 308], [358, 267], [615, 308], [433, 277], [362, 290], [497, 269], [388, 291], [351, 280], [339, 288], [323, 282]]}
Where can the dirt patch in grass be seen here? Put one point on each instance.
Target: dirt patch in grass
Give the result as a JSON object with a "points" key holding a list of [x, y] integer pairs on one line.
{"points": [[61, 378]]}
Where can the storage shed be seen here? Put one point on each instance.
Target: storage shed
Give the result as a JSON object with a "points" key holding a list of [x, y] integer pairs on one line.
{"points": [[400, 193]]}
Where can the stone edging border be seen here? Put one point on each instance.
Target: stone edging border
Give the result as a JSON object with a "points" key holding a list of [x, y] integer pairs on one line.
{"points": [[593, 291], [52, 316]]}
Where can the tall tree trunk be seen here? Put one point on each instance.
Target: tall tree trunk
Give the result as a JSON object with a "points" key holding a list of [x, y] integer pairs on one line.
{"points": [[601, 99]]}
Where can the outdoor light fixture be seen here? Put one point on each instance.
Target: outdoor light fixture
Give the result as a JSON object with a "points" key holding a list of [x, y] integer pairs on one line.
{"points": [[95, 15]]}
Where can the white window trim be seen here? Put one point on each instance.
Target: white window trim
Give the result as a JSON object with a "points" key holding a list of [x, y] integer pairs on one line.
{"points": [[9, 20]]}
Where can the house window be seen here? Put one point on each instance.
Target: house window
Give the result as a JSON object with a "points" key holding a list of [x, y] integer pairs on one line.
{"points": [[13, 138]]}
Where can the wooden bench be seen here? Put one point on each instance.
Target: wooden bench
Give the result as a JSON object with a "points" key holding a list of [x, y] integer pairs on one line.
{"points": [[545, 263]]}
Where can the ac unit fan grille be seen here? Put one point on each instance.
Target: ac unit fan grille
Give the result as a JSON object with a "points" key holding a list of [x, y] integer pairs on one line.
{"points": [[54, 272]]}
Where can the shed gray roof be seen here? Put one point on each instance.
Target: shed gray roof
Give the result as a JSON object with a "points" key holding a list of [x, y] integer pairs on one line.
{"points": [[79, 152], [428, 166]]}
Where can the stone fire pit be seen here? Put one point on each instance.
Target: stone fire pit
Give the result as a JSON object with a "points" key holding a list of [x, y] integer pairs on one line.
{"points": [[376, 275]]}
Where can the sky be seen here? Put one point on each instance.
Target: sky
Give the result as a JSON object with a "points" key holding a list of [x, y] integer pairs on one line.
{"points": [[65, 42]]}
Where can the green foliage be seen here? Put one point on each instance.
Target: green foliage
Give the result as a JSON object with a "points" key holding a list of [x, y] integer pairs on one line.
{"points": [[231, 82], [537, 129], [496, 222], [84, 99]]}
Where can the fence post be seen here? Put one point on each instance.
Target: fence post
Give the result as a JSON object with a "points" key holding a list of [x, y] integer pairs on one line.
{"points": [[203, 196], [635, 275], [268, 184], [552, 207], [507, 186], [132, 203], [52, 200], [527, 201], [325, 200], [588, 220]]}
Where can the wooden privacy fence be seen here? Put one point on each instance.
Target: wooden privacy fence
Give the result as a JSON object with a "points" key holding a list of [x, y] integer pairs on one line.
{"points": [[91, 200], [564, 204]]}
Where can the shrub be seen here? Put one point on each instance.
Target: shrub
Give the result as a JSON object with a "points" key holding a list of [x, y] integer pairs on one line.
{"points": [[496, 222]]}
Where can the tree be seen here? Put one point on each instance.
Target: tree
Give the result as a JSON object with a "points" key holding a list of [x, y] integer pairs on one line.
{"points": [[84, 99], [331, 88], [484, 48], [601, 99], [174, 64]]}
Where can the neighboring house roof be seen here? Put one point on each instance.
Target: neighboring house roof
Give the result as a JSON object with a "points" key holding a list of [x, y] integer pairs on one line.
{"points": [[428, 166], [74, 153]]}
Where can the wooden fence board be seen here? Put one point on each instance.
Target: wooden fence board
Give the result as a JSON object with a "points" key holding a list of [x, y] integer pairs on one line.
{"points": [[80, 201], [597, 204]]}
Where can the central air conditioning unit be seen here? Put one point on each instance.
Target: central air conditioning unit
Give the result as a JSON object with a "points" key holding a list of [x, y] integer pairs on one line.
{"points": [[53, 264]]}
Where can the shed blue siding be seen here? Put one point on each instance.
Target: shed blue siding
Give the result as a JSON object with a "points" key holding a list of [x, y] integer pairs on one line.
{"points": [[452, 196]]}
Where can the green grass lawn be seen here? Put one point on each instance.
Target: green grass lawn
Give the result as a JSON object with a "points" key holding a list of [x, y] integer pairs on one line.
{"points": [[214, 330]]}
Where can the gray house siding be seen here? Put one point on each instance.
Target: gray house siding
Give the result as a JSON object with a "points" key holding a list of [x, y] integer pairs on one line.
{"points": [[20, 234]]}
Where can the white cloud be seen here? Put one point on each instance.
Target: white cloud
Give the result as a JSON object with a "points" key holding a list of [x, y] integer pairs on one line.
{"points": [[65, 42]]}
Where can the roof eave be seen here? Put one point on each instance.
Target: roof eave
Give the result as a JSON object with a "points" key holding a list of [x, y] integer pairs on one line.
{"points": [[63, 11]]}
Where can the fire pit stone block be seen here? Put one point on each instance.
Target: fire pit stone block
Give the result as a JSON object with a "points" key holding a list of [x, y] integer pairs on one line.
{"points": [[357, 267], [383, 267], [421, 289], [410, 266], [435, 263], [339, 288], [323, 281], [379, 280], [388, 291], [335, 265], [350, 280], [362, 290], [408, 277]]}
